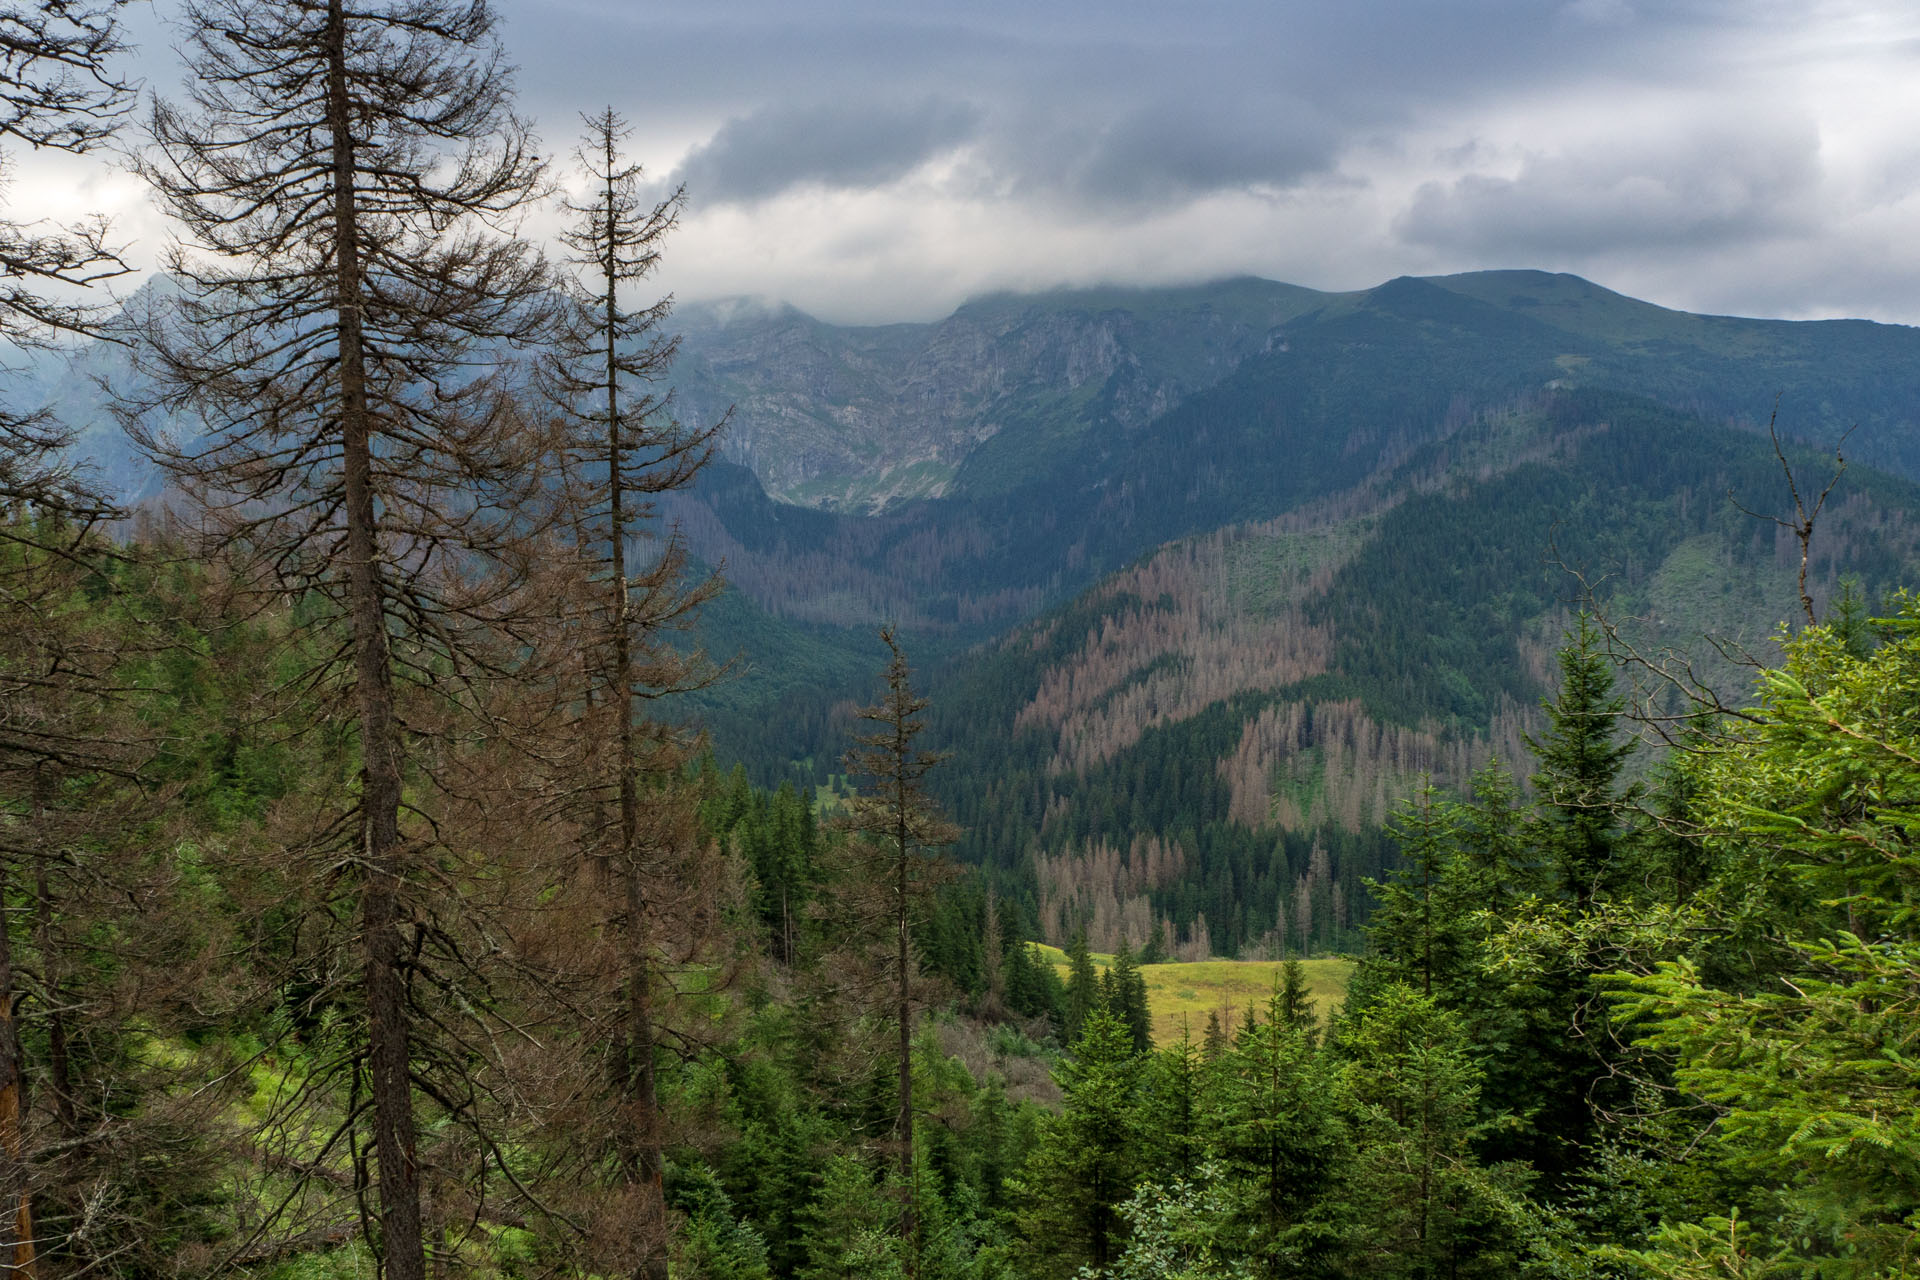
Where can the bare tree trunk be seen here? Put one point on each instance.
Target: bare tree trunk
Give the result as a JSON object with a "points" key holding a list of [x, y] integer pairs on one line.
{"points": [[903, 1122], [402, 1245], [900, 819], [16, 1200], [59, 1060]]}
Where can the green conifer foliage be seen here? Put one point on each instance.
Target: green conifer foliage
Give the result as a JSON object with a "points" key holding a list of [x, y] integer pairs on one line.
{"points": [[1127, 998], [1216, 1041], [1172, 1103], [1083, 986], [1579, 824], [1296, 1005], [1430, 1208], [1499, 866], [1811, 1074], [849, 1225], [1279, 1136], [1089, 1156], [1034, 990], [1417, 932]]}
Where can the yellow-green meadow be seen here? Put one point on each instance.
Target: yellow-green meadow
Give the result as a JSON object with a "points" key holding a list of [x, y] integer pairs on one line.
{"points": [[1188, 992]]}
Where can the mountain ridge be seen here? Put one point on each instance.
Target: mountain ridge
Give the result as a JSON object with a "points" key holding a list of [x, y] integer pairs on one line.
{"points": [[868, 418], [1727, 367]]}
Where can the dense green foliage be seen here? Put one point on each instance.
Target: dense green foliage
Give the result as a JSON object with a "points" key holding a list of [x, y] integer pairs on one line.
{"points": [[354, 916]]}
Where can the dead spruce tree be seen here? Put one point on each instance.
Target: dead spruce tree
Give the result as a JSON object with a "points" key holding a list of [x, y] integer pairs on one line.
{"points": [[895, 826], [624, 446], [344, 170], [60, 89]]}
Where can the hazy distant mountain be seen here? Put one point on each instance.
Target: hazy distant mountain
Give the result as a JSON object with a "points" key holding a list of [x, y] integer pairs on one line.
{"points": [[1177, 656], [1010, 386], [861, 418]]}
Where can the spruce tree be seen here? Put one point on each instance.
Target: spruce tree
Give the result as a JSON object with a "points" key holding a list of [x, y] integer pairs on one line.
{"points": [[1083, 985], [1579, 824], [1279, 1136], [1127, 998], [1805, 1054], [1089, 1155], [896, 826], [1432, 1209], [1296, 1003], [1415, 931], [1172, 1103], [624, 448], [1216, 1041]]}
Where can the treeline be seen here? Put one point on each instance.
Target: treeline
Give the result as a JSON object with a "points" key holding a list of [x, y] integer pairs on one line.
{"points": [[1443, 616]]}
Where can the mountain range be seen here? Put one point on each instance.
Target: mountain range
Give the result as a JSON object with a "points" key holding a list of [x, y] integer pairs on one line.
{"points": [[1205, 579]]}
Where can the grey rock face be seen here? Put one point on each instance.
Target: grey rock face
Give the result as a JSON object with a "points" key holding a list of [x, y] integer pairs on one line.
{"points": [[856, 419]]}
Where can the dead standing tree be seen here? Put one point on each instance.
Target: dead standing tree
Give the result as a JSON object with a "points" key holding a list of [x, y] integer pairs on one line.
{"points": [[1802, 524], [624, 446], [343, 169], [58, 90], [895, 824]]}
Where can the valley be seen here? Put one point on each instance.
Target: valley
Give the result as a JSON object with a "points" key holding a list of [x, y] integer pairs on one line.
{"points": [[1250, 626]]}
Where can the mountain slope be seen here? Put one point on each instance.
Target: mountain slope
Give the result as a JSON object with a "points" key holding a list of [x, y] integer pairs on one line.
{"points": [[1209, 740], [1215, 575], [861, 418], [1009, 391]]}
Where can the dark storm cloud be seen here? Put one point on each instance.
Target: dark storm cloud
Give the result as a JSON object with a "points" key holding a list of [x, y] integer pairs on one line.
{"points": [[1179, 148], [1714, 186], [1332, 144], [844, 144], [1134, 103]]}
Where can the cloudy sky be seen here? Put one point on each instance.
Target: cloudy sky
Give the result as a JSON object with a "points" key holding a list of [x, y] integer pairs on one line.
{"points": [[873, 160]]}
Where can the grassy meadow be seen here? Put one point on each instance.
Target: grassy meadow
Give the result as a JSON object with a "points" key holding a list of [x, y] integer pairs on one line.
{"points": [[1186, 993]]}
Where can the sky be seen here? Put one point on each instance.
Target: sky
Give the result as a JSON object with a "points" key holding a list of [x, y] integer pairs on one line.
{"points": [[876, 161]]}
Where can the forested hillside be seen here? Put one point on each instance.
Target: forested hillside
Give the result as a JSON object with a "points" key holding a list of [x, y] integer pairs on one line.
{"points": [[1257, 698], [1615, 1029]]}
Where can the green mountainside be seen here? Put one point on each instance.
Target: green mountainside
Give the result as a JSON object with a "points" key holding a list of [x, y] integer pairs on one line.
{"points": [[1248, 627], [864, 418], [861, 418], [1233, 565]]}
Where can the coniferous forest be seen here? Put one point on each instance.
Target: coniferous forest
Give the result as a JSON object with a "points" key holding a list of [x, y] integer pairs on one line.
{"points": [[456, 823]]}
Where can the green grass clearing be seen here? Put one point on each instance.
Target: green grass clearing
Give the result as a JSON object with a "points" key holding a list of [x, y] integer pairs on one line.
{"points": [[1180, 994]]}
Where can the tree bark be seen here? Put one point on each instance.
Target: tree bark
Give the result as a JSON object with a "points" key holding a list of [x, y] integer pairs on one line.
{"points": [[903, 1122], [16, 1200], [402, 1246]]}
